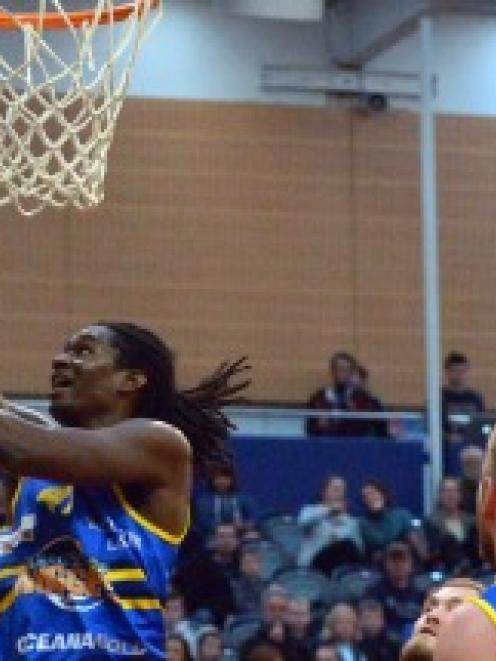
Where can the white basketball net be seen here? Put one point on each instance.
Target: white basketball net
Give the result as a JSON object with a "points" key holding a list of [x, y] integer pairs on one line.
{"points": [[57, 117]]}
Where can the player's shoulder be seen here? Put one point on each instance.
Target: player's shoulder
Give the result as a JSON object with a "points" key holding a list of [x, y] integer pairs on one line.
{"points": [[154, 433], [469, 633]]}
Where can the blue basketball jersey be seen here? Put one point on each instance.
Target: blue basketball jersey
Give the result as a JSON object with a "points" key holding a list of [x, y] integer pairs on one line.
{"points": [[487, 603], [82, 576]]}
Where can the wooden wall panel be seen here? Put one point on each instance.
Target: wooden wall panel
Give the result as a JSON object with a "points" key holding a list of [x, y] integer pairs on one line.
{"points": [[467, 168], [226, 228], [283, 233]]}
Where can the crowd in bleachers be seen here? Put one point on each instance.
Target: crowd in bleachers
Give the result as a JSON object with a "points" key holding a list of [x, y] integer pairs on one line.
{"points": [[336, 580]]}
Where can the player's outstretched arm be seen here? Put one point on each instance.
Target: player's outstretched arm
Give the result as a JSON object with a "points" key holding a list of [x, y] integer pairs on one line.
{"points": [[469, 634], [130, 452]]}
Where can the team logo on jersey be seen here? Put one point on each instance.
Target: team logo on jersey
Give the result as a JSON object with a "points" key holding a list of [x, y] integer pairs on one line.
{"points": [[57, 499], [67, 578]]}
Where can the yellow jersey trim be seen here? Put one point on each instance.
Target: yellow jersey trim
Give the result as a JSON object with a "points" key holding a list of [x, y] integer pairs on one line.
{"points": [[139, 603], [486, 608], [8, 600], [148, 525], [8, 572], [134, 574], [15, 496]]}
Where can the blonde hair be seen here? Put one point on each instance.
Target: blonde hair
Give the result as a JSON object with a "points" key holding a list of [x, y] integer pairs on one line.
{"points": [[460, 582]]}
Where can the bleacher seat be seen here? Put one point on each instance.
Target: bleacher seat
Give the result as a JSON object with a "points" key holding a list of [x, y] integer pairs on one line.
{"points": [[283, 529]]}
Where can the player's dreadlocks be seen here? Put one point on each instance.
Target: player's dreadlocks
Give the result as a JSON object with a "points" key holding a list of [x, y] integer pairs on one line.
{"points": [[197, 412]]}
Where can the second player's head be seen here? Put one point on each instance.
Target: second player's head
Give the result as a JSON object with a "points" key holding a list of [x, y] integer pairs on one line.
{"points": [[437, 608]]}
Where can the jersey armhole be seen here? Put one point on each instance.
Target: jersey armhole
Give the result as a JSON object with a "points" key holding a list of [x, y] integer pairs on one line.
{"points": [[145, 523]]}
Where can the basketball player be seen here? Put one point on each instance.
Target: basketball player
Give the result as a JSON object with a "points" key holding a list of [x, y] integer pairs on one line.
{"points": [[471, 632], [103, 499], [439, 605]]}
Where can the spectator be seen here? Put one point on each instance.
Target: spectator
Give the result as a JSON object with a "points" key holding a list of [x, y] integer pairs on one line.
{"points": [[345, 392], [251, 535], [332, 536], [248, 586], [341, 629], [205, 580], [224, 503], [299, 621], [210, 645], [274, 629], [450, 531], [369, 402], [457, 397], [176, 648], [396, 591], [326, 652], [471, 459], [265, 652], [375, 642], [175, 619], [224, 548], [382, 523]]}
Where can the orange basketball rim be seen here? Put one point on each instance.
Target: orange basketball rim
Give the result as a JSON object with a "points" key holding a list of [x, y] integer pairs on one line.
{"points": [[55, 21]]}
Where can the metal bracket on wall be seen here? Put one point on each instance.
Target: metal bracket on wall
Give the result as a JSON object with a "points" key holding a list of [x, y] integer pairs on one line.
{"points": [[276, 77]]}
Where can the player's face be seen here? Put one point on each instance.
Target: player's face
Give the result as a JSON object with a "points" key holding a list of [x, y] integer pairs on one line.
{"points": [[435, 613], [85, 381]]}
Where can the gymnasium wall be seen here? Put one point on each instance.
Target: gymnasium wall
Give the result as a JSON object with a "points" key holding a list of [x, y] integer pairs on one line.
{"points": [[281, 232]]}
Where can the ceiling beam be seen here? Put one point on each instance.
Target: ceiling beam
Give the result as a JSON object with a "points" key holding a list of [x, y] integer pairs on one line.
{"points": [[356, 34]]}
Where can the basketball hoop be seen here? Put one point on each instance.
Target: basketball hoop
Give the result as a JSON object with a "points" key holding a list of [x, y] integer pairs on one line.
{"points": [[59, 104]]}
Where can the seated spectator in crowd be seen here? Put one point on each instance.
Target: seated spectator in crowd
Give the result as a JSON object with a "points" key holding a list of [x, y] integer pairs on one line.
{"points": [[250, 536], [299, 621], [451, 532], [345, 392], [341, 629], [205, 579], [248, 585], [332, 536], [274, 629], [210, 645], [326, 652], [175, 619], [382, 523], [437, 608], [224, 503], [471, 460], [457, 397], [375, 642], [401, 600], [225, 547], [176, 648], [264, 652]]}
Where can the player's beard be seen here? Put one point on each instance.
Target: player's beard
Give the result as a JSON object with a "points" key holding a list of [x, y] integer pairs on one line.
{"points": [[417, 650]]}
